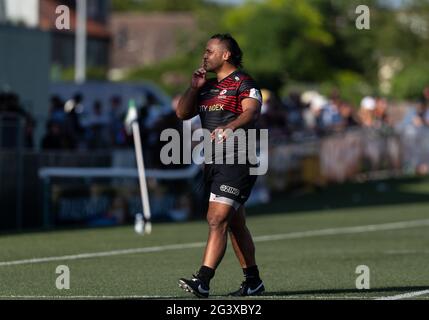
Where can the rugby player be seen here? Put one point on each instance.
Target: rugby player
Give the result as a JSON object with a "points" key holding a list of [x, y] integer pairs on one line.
{"points": [[225, 103]]}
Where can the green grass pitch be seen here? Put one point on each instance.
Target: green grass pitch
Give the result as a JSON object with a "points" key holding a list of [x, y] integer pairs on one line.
{"points": [[307, 248]]}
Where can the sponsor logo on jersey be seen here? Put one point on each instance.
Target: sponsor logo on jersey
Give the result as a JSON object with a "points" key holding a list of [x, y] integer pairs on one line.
{"points": [[230, 190], [214, 107], [224, 91]]}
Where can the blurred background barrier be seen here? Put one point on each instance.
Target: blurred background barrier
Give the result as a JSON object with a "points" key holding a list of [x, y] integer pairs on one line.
{"points": [[353, 154], [60, 188]]}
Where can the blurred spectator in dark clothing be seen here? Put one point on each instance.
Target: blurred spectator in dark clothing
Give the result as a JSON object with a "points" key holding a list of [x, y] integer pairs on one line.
{"points": [[116, 122], [56, 110], [30, 125], [170, 119], [348, 117], [98, 125], [154, 109], [167, 121], [380, 113], [16, 124], [54, 138], [150, 113], [294, 109], [274, 116], [73, 128]]}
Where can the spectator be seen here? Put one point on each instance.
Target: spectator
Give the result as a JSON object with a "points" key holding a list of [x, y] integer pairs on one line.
{"points": [[313, 113], [366, 112], [168, 121], [381, 119], [274, 115], [347, 115], [98, 124], [15, 122], [53, 138], [416, 117], [116, 122], [294, 109], [73, 128], [330, 117], [56, 110]]}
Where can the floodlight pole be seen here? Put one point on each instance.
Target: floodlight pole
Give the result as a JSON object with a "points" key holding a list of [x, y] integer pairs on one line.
{"points": [[80, 46]]}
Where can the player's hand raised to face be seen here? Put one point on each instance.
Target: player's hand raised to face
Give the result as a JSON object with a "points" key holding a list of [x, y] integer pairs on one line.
{"points": [[198, 78]]}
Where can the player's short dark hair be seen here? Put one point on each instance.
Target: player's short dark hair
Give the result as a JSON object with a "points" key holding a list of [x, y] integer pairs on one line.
{"points": [[233, 47]]}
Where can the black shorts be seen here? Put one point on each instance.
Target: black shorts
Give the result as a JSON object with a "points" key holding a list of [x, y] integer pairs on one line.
{"points": [[229, 183]]}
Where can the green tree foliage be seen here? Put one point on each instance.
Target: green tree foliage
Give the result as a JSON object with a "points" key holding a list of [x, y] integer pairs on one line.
{"points": [[281, 40], [307, 43], [158, 5]]}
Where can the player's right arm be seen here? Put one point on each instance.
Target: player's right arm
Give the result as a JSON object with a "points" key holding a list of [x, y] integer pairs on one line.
{"points": [[187, 107]]}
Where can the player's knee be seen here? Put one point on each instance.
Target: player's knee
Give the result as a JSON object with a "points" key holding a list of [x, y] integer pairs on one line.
{"points": [[216, 221]]}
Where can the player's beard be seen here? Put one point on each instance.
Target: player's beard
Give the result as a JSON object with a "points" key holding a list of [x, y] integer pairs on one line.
{"points": [[212, 66]]}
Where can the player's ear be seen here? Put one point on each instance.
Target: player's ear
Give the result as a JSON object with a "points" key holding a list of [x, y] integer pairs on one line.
{"points": [[226, 55]]}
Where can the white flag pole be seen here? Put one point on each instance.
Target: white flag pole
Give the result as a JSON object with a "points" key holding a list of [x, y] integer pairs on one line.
{"points": [[132, 119], [142, 177]]}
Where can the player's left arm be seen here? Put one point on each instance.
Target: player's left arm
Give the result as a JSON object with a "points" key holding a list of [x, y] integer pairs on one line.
{"points": [[251, 109]]}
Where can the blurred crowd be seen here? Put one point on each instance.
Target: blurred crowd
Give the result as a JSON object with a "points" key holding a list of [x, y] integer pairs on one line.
{"points": [[71, 125], [74, 125], [312, 114]]}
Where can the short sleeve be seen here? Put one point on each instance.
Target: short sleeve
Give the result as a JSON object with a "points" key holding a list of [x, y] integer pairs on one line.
{"points": [[249, 89]]}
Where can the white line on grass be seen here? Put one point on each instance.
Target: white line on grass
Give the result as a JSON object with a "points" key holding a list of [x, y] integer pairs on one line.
{"points": [[292, 235], [396, 252], [105, 253], [405, 295]]}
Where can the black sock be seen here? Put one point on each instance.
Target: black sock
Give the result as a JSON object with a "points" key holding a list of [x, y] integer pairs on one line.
{"points": [[205, 274], [251, 274]]}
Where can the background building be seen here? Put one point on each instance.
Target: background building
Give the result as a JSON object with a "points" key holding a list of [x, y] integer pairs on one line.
{"points": [[147, 38]]}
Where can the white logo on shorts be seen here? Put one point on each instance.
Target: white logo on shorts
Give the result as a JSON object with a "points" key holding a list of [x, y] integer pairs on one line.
{"points": [[229, 189]]}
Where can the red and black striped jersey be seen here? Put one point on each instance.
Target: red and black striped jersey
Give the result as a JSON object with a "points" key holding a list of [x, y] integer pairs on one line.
{"points": [[220, 102]]}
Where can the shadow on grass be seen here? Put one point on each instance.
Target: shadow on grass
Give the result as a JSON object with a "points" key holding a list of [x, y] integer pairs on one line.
{"points": [[349, 195], [397, 290]]}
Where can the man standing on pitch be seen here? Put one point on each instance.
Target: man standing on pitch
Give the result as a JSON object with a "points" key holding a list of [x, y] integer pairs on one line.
{"points": [[226, 103]]}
